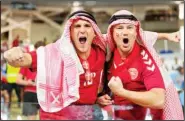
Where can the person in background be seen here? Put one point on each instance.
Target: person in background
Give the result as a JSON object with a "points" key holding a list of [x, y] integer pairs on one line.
{"points": [[15, 42], [27, 78], [11, 76], [4, 86]]}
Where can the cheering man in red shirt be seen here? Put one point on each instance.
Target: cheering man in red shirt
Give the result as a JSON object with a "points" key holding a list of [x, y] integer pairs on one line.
{"points": [[135, 74], [69, 70]]}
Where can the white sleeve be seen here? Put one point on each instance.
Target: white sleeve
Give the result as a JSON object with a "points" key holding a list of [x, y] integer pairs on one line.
{"points": [[149, 37]]}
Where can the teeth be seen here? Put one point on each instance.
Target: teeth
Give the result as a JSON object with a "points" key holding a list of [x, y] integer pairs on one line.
{"points": [[82, 40], [125, 40]]}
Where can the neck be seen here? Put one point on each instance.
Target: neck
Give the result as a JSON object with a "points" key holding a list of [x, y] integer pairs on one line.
{"points": [[84, 55], [124, 54]]}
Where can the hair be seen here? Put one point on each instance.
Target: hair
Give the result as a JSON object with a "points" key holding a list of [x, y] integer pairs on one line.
{"points": [[38, 44], [179, 68]]}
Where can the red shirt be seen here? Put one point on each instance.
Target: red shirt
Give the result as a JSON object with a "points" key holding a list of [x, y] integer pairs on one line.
{"points": [[27, 74], [88, 87], [141, 74]]}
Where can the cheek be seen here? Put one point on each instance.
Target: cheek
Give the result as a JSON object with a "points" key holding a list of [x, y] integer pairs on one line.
{"points": [[73, 34], [133, 34], [116, 35]]}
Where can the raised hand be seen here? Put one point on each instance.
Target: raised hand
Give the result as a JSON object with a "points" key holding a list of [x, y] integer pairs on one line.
{"points": [[175, 36], [14, 54], [17, 58], [116, 86]]}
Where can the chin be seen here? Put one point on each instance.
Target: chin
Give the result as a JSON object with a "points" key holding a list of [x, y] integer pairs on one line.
{"points": [[125, 49], [82, 50]]}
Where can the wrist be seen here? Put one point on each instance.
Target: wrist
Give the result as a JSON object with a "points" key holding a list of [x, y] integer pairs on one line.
{"points": [[165, 36], [162, 36], [122, 92]]}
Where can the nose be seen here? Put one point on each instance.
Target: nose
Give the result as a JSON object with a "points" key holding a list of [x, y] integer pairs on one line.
{"points": [[125, 32], [82, 30]]}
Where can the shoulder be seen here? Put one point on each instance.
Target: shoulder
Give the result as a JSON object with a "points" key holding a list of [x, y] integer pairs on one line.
{"points": [[98, 50]]}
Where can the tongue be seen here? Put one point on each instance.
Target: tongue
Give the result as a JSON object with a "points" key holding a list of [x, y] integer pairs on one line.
{"points": [[82, 40]]}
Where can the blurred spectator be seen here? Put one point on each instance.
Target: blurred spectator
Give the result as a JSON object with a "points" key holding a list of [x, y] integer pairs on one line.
{"points": [[15, 42], [4, 92], [12, 76], [11, 79], [27, 78], [30, 105], [176, 63], [38, 44], [163, 62], [180, 77], [45, 41], [180, 83], [4, 86]]}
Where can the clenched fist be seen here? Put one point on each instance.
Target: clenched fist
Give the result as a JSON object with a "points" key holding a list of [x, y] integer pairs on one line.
{"points": [[175, 36], [17, 58], [115, 84], [14, 54]]}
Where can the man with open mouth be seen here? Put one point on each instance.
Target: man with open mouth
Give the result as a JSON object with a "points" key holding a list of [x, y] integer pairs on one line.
{"points": [[69, 71], [136, 76]]}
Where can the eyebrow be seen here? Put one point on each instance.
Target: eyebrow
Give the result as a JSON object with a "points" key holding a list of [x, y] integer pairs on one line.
{"points": [[130, 25], [77, 24]]}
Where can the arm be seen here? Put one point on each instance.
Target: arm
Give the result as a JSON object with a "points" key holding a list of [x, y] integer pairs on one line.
{"points": [[17, 58], [174, 37], [24, 82], [149, 38], [153, 98]]}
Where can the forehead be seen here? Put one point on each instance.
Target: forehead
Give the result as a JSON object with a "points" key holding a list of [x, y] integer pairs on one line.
{"points": [[81, 21], [124, 24]]}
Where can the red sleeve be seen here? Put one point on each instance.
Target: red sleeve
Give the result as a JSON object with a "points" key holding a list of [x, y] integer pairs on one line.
{"points": [[152, 77], [22, 71], [34, 61]]}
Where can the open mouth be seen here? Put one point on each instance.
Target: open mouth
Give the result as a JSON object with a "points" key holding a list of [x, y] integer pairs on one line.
{"points": [[125, 40], [82, 40]]}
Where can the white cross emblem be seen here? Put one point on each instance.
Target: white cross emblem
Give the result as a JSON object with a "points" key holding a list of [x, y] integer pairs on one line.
{"points": [[89, 78], [55, 98], [85, 65]]}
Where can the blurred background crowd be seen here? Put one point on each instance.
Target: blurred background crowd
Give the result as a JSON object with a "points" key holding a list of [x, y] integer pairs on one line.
{"points": [[33, 23]]}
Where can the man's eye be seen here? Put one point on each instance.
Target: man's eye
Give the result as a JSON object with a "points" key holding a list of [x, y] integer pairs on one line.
{"points": [[87, 25], [130, 27], [119, 27], [77, 26]]}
